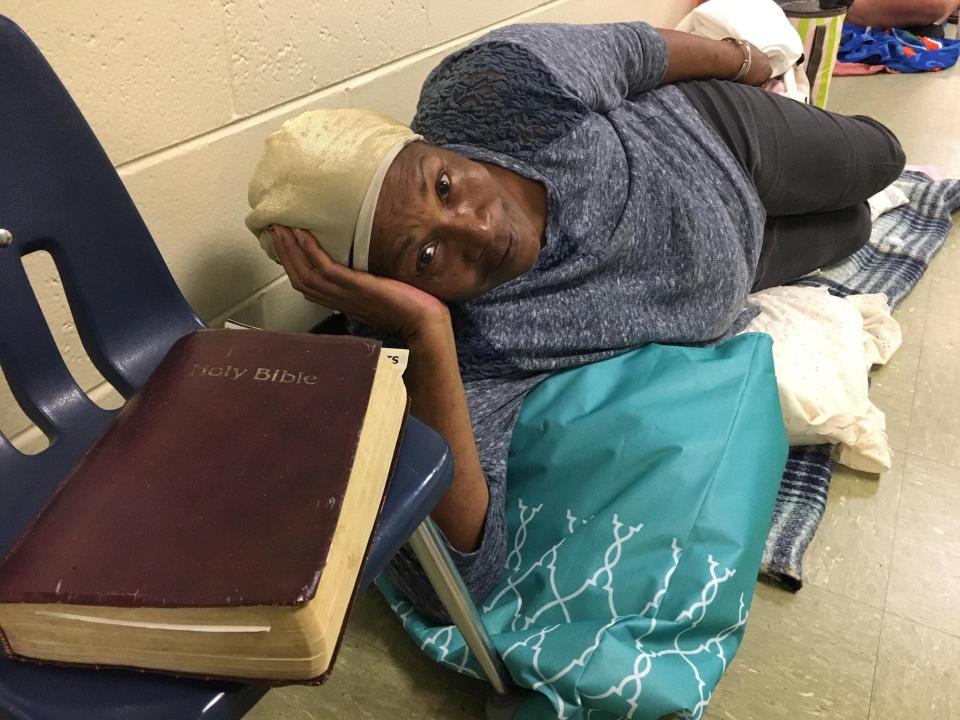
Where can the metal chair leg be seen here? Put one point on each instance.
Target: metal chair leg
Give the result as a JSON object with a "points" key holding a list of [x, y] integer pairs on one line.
{"points": [[427, 544]]}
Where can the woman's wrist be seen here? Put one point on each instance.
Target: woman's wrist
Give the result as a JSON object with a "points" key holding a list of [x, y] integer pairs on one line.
{"points": [[690, 57], [429, 328], [432, 341], [745, 56]]}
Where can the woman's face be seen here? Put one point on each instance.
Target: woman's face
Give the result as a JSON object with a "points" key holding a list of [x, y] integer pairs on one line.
{"points": [[450, 226]]}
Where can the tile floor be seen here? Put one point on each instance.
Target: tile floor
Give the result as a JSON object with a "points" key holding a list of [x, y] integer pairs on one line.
{"points": [[875, 632]]}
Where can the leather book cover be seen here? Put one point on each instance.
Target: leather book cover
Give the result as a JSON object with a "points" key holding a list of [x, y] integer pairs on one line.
{"points": [[218, 484]]}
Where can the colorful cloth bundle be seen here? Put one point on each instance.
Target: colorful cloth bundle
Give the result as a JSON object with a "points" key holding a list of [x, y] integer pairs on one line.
{"points": [[896, 50]]}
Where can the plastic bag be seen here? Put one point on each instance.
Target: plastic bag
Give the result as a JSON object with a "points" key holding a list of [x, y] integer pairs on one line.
{"points": [[640, 491]]}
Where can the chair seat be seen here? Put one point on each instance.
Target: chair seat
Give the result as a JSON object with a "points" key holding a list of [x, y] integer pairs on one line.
{"points": [[29, 691]]}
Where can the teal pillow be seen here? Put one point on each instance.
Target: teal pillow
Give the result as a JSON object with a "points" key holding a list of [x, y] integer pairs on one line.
{"points": [[640, 491]]}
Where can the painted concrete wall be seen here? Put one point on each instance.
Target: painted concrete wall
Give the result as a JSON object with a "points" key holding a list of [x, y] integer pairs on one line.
{"points": [[182, 94]]}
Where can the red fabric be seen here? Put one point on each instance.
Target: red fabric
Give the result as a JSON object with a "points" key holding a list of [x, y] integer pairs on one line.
{"points": [[845, 69]]}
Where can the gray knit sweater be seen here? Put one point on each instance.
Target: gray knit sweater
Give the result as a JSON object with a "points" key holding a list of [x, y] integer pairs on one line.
{"points": [[653, 229]]}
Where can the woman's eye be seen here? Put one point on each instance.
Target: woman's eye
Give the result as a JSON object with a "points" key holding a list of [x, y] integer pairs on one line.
{"points": [[426, 255], [443, 185]]}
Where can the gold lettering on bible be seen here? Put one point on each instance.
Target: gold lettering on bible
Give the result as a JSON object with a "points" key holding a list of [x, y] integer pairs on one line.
{"points": [[274, 375]]}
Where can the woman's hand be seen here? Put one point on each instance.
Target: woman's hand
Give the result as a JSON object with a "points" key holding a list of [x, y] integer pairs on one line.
{"points": [[388, 305]]}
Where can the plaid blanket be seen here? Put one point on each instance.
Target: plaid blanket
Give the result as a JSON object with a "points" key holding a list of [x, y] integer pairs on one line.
{"points": [[903, 242]]}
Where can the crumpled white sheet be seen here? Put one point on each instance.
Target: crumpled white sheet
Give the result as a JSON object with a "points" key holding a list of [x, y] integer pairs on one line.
{"points": [[762, 23], [823, 349]]}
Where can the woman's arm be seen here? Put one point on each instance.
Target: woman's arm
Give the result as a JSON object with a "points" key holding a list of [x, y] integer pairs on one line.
{"points": [[600, 64], [690, 57], [432, 377], [437, 398]]}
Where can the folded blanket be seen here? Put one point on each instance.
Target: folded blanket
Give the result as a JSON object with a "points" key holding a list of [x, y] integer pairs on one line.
{"points": [[901, 247]]}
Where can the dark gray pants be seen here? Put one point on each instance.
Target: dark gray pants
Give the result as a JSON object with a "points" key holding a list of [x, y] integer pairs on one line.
{"points": [[813, 171]]}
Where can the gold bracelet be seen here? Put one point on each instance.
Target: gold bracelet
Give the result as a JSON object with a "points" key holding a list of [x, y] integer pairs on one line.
{"points": [[747, 58]]}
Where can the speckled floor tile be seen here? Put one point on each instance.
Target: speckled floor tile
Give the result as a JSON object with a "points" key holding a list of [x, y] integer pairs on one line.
{"points": [[935, 420], [373, 622], [925, 565], [808, 655], [892, 388], [367, 683], [918, 673], [942, 324], [942, 328], [894, 99], [850, 554], [911, 313], [945, 269]]}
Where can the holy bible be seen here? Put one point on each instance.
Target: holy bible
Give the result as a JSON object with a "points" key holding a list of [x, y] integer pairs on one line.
{"points": [[219, 525]]}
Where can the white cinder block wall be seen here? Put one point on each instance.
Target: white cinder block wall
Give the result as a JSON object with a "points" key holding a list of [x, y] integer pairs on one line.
{"points": [[182, 94]]}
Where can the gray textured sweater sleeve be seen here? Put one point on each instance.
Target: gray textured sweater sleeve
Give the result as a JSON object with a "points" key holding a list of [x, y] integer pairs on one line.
{"points": [[601, 64]]}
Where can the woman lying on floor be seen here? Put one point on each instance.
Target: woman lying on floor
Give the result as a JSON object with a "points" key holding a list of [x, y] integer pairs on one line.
{"points": [[577, 191]]}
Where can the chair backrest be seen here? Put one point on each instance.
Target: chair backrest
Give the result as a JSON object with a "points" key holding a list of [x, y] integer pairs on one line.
{"points": [[60, 193]]}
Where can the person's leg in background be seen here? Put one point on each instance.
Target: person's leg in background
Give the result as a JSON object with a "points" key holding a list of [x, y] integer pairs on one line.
{"points": [[900, 13], [813, 171]]}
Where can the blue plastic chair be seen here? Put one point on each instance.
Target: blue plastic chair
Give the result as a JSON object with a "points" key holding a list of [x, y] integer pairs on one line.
{"points": [[59, 193]]}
